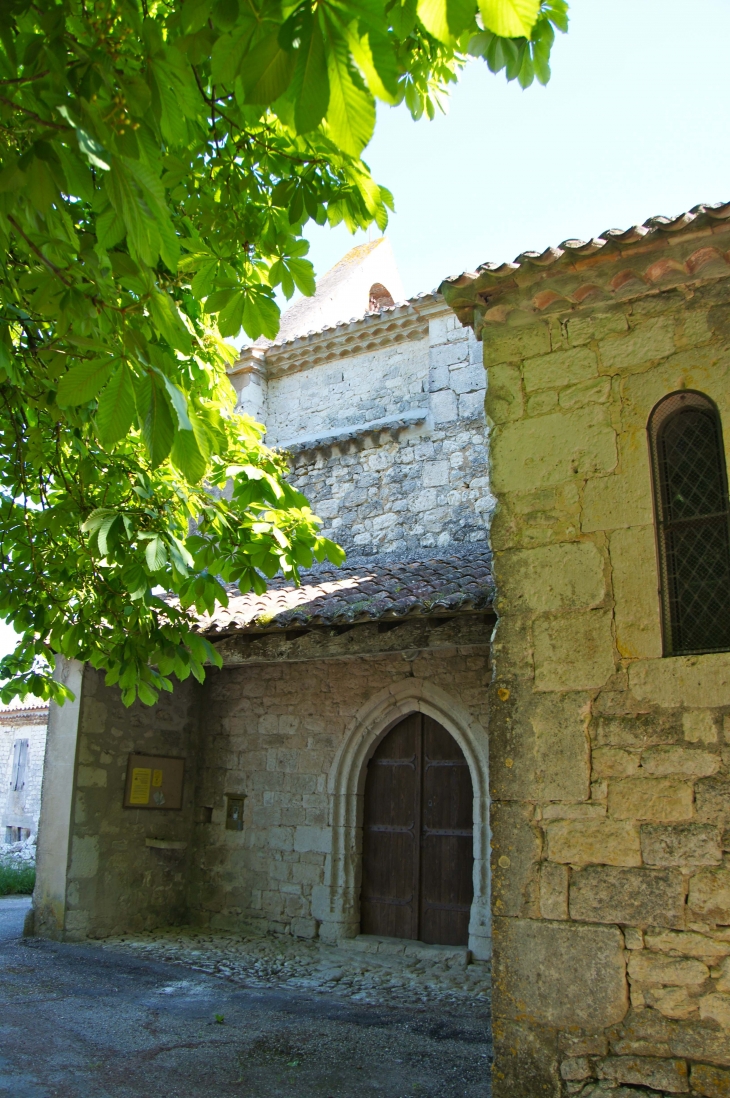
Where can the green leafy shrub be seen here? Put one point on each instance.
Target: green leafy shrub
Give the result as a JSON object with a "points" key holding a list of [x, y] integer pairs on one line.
{"points": [[16, 878]]}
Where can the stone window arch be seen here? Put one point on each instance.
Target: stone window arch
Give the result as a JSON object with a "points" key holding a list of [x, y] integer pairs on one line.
{"points": [[692, 519], [336, 903]]}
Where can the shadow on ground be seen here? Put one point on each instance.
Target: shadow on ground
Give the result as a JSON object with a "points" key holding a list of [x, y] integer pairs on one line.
{"points": [[79, 1021]]}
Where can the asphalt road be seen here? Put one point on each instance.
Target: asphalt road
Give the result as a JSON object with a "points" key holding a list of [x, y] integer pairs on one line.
{"points": [[78, 1021]]}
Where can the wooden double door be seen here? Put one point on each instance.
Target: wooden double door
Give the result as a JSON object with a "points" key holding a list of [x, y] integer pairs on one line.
{"points": [[418, 836]]}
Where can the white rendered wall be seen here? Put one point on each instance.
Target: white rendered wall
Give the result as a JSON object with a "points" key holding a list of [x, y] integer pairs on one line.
{"points": [[21, 808]]}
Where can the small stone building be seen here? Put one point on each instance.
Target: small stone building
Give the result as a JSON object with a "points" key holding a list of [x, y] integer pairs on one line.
{"points": [[371, 737], [22, 748], [365, 687], [608, 400]]}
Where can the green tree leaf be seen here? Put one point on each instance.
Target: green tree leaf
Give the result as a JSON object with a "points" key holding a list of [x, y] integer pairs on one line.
{"points": [[83, 381], [115, 411], [267, 70], [167, 318], [351, 112], [153, 409], [510, 18], [310, 85], [186, 456]]}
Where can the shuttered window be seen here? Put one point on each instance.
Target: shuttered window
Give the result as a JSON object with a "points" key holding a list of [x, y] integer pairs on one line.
{"points": [[20, 766], [692, 522]]}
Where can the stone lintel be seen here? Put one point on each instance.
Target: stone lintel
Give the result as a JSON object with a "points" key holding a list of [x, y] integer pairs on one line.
{"points": [[470, 630]]}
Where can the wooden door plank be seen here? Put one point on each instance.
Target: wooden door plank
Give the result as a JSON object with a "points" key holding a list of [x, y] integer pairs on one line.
{"points": [[391, 834], [446, 839]]}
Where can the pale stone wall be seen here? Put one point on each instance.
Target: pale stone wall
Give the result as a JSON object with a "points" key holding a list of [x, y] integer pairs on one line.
{"points": [[389, 445], [22, 808], [356, 389], [610, 765], [115, 882], [272, 732]]}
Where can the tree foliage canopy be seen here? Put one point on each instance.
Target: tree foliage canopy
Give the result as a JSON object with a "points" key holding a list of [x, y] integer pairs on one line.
{"points": [[159, 162]]}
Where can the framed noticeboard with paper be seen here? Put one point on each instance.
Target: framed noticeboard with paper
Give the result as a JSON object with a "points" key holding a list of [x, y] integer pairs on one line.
{"points": [[154, 781]]}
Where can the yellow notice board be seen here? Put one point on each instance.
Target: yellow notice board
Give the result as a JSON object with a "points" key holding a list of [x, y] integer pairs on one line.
{"points": [[154, 781]]}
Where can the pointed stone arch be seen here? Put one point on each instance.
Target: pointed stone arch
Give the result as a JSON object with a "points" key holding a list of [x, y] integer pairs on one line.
{"points": [[336, 904]]}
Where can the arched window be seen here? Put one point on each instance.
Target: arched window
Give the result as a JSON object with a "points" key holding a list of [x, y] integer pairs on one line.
{"points": [[379, 298], [692, 523]]}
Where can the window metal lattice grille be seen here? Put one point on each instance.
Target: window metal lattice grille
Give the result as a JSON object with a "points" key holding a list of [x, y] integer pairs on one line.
{"points": [[693, 529]]}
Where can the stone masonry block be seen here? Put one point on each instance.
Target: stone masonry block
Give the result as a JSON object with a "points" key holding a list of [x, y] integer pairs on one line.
{"points": [[467, 379], [716, 1008], [554, 577], [449, 354], [471, 405], [635, 731], [504, 399], [709, 895], [713, 801], [553, 891], [573, 651], [647, 1071], [613, 762], [709, 1081], [615, 502], [317, 839], [559, 974], [435, 474], [539, 747], [690, 943], [84, 857], [687, 762], [547, 450], [698, 726], [560, 368], [698, 682], [633, 567], [518, 344], [655, 970], [632, 897], [541, 402], [650, 341], [444, 406], [646, 798], [583, 329], [681, 844], [561, 750], [594, 842], [516, 849], [595, 391]]}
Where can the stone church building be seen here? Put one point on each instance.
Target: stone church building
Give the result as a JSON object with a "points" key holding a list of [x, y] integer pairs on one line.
{"points": [[505, 722]]}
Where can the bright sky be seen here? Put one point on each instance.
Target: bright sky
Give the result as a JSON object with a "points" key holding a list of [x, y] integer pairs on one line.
{"points": [[631, 125]]}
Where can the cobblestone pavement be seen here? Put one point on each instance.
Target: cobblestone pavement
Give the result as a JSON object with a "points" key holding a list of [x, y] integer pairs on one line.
{"points": [[385, 972], [141, 1017]]}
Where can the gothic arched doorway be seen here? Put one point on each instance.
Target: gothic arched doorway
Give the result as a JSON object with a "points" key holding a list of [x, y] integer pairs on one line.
{"points": [[417, 859]]}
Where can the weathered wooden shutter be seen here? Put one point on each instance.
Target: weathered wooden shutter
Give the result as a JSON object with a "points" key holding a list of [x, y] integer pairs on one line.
{"points": [[20, 766]]}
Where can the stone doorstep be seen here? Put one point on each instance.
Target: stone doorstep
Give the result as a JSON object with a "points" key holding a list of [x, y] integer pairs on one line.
{"points": [[407, 947]]}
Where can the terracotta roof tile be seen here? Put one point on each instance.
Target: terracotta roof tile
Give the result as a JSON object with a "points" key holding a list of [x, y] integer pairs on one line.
{"points": [[362, 592], [612, 240]]}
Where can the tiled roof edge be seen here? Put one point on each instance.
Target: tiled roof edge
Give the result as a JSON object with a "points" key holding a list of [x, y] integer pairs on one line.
{"points": [[474, 288], [401, 313]]}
